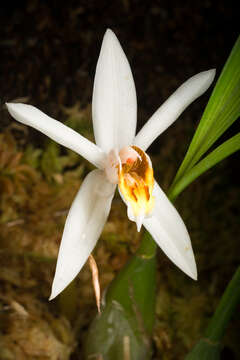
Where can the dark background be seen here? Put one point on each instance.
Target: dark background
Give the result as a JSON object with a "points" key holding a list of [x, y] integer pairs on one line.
{"points": [[49, 49], [48, 55]]}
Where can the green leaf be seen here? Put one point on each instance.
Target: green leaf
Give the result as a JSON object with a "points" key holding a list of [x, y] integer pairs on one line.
{"points": [[125, 325], [221, 152], [111, 337], [132, 287], [209, 347], [205, 350], [225, 309], [222, 110]]}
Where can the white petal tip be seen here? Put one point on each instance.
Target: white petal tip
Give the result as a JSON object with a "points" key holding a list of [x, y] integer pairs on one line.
{"points": [[53, 295], [109, 33], [12, 105], [196, 86], [187, 265], [59, 284], [191, 270], [110, 39], [55, 292], [193, 275], [139, 226], [205, 79], [17, 109], [139, 221], [210, 75], [9, 106]]}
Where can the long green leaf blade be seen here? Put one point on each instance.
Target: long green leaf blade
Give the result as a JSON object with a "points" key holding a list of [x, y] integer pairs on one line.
{"points": [[209, 347], [222, 110], [220, 153], [225, 309], [205, 350]]}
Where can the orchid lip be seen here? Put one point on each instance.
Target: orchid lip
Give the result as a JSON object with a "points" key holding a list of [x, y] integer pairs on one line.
{"points": [[132, 169]]}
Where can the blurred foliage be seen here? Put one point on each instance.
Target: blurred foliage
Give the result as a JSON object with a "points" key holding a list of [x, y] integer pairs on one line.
{"points": [[37, 186]]}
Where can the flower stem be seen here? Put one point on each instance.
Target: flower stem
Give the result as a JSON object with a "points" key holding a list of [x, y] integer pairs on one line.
{"points": [[147, 248]]}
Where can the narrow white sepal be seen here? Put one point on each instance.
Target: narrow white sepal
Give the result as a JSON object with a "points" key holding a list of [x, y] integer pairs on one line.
{"points": [[83, 227], [170, 233], [173, 107], [114, 104], [31, 116]]}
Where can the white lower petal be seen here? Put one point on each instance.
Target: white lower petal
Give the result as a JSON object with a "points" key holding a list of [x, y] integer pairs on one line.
{"points": [[83, 227], [114, 104], [62, 134], [168, 230], [173, 107]]}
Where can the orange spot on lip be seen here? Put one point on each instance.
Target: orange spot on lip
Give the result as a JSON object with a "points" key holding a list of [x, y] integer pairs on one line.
{"points": [[130, 161]]}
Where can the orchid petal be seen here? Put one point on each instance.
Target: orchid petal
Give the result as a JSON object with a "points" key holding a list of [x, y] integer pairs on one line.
{"points": [[114, 104], [173, 107], [30, 115], [168, 230], [83, 227]]}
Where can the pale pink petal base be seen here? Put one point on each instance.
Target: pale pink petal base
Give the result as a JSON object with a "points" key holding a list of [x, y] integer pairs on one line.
{"points": [[83, 227], [112, 163]]}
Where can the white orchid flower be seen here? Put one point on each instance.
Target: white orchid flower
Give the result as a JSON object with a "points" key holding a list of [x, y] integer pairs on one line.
{"points": [[120, 158]]}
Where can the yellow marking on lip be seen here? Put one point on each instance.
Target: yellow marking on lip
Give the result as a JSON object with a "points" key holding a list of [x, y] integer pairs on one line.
{"points": [[136, 183]]}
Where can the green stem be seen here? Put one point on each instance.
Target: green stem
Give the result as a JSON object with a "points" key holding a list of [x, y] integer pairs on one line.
{"points": [[148, 247], [225, 309]]}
